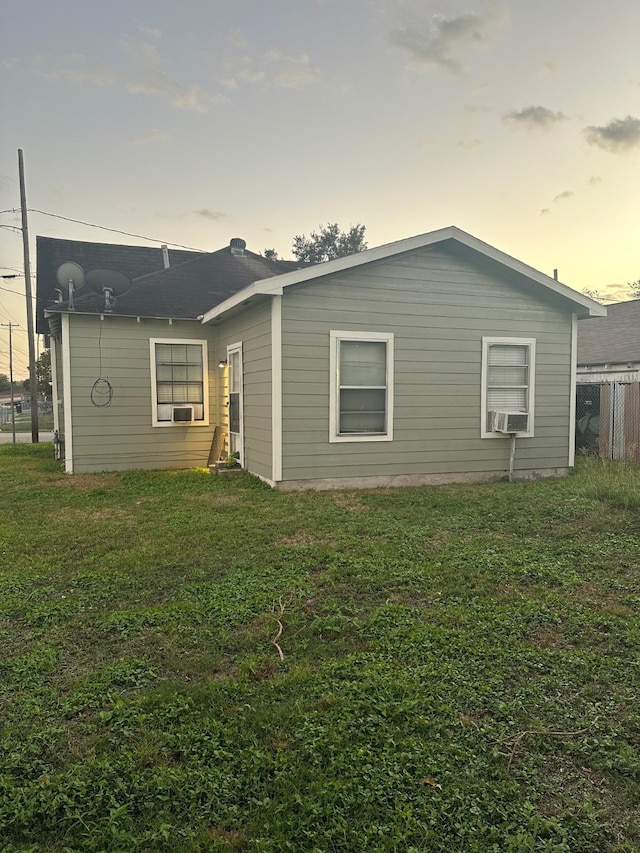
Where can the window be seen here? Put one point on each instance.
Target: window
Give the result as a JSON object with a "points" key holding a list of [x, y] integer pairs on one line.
{"points": [[179, 382], [361, 402], [508, 380]]}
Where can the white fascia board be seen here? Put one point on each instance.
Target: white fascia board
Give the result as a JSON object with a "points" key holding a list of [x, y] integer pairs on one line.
{"points": [[242, 296], [276, 284]]}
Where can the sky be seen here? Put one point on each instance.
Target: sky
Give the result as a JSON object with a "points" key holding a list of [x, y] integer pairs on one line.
{"points": [[191, 122]]}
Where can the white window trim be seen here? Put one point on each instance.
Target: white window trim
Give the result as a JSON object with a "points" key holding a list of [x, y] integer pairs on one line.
{"points": [[486, 344], [154, 385], [335, 337]]}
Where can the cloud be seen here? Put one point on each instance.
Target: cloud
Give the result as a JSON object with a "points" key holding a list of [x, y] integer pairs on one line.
{"points": [[562, 195], [152, 32], [443, 42], [468, 144], [548, 69], [545, 211], [621, 134], [192, 97], [9, 61], [477, 109], [273, 69], [150, 81], [237, 38], [142, 51], [210, 214], [595, 179], [293, 72], [533, 118], [152, 136]]}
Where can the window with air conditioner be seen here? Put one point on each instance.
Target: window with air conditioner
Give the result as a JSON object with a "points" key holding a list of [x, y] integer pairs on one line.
{"points": [[508, 386], [179, 382], [361, 387]]}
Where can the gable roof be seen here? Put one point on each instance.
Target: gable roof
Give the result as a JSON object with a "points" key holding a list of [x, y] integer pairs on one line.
{"points": [[185, 291], [275, 286], [614, 339], [132, 261]]}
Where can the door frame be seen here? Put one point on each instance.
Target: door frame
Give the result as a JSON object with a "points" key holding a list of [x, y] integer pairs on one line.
{"points": [[236, 439]]}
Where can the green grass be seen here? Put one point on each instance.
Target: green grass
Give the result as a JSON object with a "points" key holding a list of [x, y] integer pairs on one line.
{"points": [[23, 423], [460, 664]]}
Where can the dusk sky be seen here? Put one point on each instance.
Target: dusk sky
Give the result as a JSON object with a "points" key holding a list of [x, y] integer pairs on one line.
{"points": [[196, 121]]}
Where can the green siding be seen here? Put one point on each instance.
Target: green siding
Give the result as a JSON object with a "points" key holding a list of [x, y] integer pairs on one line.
{"points": [[439, 306], [253, 329], [121, 436]]}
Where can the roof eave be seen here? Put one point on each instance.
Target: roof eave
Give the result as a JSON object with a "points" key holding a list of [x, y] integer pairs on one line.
{"points": [[275, 285], [51, 311]]}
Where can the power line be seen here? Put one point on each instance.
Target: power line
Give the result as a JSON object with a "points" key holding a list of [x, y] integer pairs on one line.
{"points": [[15, 292], [114, 230], [6, 311]]}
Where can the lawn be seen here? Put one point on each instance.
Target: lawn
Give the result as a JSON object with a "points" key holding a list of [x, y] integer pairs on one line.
{"points": [[198, 663], [23, 422]]}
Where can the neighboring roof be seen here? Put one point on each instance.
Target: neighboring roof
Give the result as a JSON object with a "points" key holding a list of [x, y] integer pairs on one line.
{"points": [[185, 291], [614, 339], [132, 261], [581, 304]]}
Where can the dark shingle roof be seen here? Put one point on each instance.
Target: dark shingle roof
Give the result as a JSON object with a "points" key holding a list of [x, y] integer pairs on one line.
{"points": [[613, 339], [133, 261], [185, 290]]}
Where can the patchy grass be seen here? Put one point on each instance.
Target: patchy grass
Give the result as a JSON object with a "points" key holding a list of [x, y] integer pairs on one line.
{"points": [[460, 664]]}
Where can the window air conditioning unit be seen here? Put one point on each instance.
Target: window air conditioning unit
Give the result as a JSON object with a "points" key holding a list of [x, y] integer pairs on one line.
{"points": [[511, 422], [182, 414]]}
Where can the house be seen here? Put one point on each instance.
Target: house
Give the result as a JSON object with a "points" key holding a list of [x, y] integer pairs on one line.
{"points": [[608, 383], [382, 368]]}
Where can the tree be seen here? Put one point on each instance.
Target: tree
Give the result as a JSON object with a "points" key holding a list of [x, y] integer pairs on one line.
{"points": [[43, 374], [634, 287], [596, 295], [329, 243], [5, 384], [270, 255]]}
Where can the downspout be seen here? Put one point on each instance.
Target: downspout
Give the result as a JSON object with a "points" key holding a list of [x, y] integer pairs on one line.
{"points": [[66, 395]]}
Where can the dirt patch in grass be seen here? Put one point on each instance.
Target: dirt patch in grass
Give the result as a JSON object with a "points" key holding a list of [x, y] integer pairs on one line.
{"points": [[350, 501], [302, 539], [219, 499], [546, 637], [87, 482]]}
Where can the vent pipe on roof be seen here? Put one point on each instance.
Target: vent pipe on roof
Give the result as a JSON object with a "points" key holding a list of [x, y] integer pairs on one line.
{"points": [[555, 274], [238, 245], [165, 256]]}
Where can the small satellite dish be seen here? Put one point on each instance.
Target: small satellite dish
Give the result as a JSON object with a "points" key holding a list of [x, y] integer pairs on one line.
{"points": [[101, 280], [70, 272], [71, 278]]}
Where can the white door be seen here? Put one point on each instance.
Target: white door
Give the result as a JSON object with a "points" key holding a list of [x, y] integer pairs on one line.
{"points": [[236, 427]]}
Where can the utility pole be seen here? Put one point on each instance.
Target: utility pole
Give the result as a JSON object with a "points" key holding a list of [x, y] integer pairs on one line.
{"points": [[13, 405], [33, 383]]}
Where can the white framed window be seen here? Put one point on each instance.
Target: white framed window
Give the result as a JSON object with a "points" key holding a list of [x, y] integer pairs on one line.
{"points": [[508, 381], [361, 386], [179, 384]]}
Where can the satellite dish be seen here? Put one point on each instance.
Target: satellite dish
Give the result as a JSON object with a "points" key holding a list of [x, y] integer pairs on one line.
{"points": [[70, 272], [70, 277], [101, 280]]}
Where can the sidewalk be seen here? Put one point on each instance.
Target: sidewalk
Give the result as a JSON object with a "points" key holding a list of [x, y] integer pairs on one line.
{"points": [[24, 437]]}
